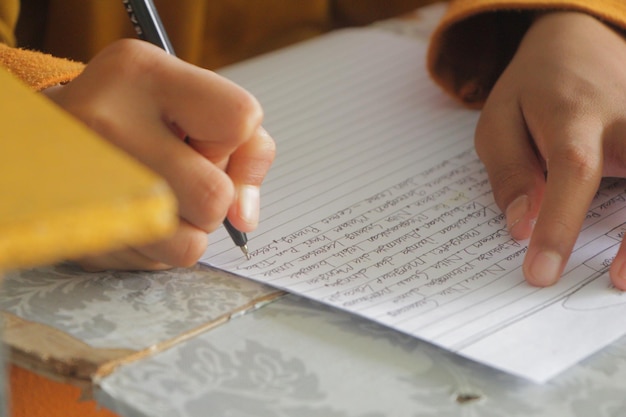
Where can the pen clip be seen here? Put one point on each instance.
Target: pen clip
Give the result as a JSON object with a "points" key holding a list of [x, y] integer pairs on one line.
{"points": [[147, 23]]}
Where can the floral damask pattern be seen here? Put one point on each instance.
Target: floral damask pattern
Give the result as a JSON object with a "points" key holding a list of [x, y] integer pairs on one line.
{"points": [[125, 309], [298, 358]]}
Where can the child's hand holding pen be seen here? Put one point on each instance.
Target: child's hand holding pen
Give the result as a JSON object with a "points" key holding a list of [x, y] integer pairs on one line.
{"points": [[145, 101]]}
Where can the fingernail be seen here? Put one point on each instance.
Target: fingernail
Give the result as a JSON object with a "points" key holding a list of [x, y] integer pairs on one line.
{"points": [[249, 204], [515, 212], [545, 268]]}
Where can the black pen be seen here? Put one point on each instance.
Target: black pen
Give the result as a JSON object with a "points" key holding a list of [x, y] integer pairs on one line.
{"points": [[148, 26]]}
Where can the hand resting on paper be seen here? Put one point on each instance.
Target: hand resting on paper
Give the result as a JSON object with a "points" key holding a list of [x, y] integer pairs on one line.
{"points": [[553, 125], [144, 101]]}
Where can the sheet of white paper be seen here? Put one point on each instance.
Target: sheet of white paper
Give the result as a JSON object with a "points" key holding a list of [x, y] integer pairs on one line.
{"points": [[378, 205]]}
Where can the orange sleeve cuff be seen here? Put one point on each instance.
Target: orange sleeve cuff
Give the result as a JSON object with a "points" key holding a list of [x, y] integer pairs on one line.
{"points": [[472, 45], [36, 69], [34, 395]]}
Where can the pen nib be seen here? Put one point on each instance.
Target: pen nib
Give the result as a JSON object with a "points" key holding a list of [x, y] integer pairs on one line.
{"points": [[244, 249]]}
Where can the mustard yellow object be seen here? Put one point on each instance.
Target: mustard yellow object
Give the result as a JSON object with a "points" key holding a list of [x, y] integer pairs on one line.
{"points": [[38, 70], [64, 192]]}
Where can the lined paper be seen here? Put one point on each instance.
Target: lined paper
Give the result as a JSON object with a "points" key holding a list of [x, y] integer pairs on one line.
{"points": [[378, 205]]}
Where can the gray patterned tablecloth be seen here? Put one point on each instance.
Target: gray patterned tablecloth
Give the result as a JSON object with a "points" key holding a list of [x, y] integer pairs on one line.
{"points": [[295, 357], [126, 310]]}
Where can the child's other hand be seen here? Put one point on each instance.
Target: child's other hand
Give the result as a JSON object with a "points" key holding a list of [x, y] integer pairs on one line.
{"points": [[552, 127], [145, 102]]}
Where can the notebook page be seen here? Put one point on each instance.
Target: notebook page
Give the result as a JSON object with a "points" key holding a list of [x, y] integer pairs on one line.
{"points": [[378, 205]]}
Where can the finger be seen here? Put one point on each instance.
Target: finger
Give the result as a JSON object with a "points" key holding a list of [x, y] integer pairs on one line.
{"points": [[184, 248], [216, 114], [615, 166], [515, 170], [126, 259], [136, 124], [617, 271], [615, 149], [204, 192], [574, 172], [247, 168]]}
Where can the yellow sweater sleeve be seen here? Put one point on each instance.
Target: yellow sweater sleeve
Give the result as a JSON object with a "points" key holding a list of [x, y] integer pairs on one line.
{"points": [[476, 39], [38, 70]]}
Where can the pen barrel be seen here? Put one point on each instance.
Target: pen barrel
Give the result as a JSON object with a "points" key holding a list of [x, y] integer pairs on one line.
{"points": [[239, 238], [147, 23]]}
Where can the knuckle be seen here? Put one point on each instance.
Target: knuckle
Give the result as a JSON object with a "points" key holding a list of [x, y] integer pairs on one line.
{"points": [[256, 173], [509, 175], [102, 120], [508, 179], [572, 95], [247, 116], [141, 53], [563, 223], [135, 61], [579, 161]]}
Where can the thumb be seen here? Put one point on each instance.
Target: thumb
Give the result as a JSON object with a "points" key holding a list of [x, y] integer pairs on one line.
{"points": [[247, 168]]}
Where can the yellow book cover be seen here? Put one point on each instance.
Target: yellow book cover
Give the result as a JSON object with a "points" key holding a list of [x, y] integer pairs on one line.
{"points": [[65, 192]]}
